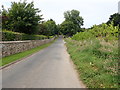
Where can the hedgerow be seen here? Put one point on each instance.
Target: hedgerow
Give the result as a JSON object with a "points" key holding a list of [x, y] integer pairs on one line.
{"points": [[15, 36], [108, 32], [95, 54]]}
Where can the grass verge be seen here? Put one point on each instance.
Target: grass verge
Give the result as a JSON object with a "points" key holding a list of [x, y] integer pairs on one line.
{"points": [[15, 57], [96, 62]]}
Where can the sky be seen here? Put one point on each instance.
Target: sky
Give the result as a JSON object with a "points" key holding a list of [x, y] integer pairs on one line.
{"points": [[92, 11]]}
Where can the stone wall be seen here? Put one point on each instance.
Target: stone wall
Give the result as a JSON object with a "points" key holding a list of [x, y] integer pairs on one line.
{"points": [[13, 47]]}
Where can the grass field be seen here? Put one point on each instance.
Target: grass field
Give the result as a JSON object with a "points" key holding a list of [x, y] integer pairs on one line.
{"points": [[96, 62], [12, 58]]}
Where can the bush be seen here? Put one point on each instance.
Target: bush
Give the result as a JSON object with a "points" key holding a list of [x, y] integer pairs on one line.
{"points": [[82, 36], [11, 36], [15, 36], [107, 32]]}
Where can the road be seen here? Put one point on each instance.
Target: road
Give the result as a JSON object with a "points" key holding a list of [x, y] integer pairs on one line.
{"points": [[48, 68]]}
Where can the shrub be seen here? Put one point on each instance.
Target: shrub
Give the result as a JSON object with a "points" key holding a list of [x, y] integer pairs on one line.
{"points": [[82, 36], [108, 32], [15, 36], [11, 36]]}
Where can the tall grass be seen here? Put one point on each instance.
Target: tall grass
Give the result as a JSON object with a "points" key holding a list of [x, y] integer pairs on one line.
{"points": [[96, 61]]}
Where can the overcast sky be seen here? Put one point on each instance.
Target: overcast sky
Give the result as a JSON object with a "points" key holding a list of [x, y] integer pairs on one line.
{"points": [[93, 11]]}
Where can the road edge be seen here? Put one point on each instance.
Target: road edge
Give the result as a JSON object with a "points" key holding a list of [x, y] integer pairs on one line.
{"points": [[74, 67], [14, 62]]}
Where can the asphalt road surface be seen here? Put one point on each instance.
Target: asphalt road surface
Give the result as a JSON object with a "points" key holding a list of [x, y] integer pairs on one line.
{"points": [[48, 68]]}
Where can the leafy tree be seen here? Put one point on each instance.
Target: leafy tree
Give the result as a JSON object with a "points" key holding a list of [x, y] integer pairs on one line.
{"points": [[23, 17], [115, 19], [72, 23], [74, 17], [42, 29], [54, 30], [58, 32], [68, 28], [4, 17], [51, 27]]}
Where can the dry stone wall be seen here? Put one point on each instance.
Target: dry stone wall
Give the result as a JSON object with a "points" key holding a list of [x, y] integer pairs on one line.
{"points": [[13, 47]]}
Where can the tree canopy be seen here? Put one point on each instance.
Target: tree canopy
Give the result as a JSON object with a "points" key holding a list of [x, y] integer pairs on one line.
{"points": [[72, 23], [74, 17], [68, 28], [48, 28], [22, 17], [115, 19]]}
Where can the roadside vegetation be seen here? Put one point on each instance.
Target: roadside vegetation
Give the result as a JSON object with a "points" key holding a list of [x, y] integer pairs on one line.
{"points": [[96, 62], [16, 36], [95, 54], [93, 50], [18, 56], [24, 22]]}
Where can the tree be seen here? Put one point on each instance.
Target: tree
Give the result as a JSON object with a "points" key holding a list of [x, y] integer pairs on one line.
{"points": [[51, 27], [72, 23], [68, 28], [4, 17], [115, 19], [42, 29], [74, 17], [58, 32], [23, 17]]}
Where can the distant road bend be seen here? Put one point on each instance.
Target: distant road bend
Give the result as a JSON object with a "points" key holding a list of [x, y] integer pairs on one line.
{"points": [[48, 68]]}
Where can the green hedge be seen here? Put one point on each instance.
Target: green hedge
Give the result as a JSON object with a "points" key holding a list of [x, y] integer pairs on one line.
{"points": [[15, 36], [107, 32], [82, 36]]}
